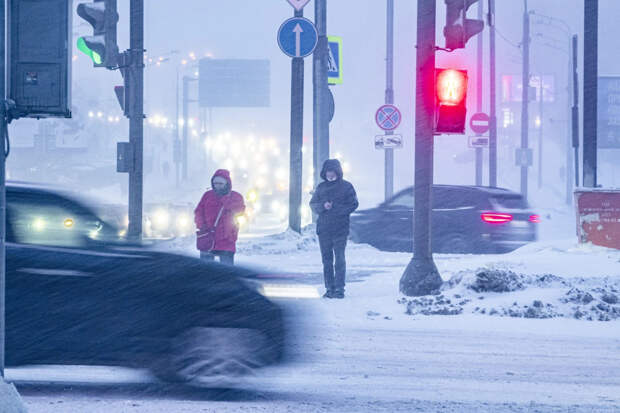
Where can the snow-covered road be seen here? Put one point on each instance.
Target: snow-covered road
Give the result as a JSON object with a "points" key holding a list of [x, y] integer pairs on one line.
{"points": [[366, 354]]}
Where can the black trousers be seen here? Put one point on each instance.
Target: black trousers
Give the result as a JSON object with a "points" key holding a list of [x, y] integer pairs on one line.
{"points": [[226, 257], [332, 247]]}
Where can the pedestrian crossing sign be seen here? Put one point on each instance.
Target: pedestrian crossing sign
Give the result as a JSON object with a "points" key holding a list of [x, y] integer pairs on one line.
{"points": [[334, 60]]}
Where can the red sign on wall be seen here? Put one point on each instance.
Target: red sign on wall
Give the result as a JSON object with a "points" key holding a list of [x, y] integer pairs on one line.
{"points": [[598, 217]]}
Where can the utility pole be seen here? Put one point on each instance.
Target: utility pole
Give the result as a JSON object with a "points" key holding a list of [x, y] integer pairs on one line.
{"points": [[575, 110], [525, 99], [3, 128], [590, 88], [136, 116], [185, 126], [540, 134], [421, 276], [297, 131], [177, 143], [389, 97], [479, 153], [492, 99], [320, 95]]}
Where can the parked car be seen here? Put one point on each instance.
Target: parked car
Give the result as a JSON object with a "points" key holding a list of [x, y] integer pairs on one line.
{"points": [[465, 219], [77, 293]]}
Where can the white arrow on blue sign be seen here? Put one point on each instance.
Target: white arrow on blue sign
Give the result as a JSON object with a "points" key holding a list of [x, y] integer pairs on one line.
{"points": [[297, 37]]}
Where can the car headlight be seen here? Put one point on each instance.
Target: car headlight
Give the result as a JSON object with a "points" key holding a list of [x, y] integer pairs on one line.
{"points": [[288, 291]]}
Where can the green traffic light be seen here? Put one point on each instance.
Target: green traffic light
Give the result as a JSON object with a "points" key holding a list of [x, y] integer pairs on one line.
{"points": [[81, 45]]}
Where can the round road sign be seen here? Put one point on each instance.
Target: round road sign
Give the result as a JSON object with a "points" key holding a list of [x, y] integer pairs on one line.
{"points": [[297, 37], [479, 123], [388, 117]]}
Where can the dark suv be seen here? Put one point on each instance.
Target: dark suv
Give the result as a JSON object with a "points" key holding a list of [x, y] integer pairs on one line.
{"points": [[465, 219]]}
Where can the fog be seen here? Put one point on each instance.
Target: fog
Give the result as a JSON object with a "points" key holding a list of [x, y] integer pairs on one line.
{"points": [[85, 149]]}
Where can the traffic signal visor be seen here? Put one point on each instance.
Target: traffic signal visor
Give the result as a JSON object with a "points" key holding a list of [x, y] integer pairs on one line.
{"points": [[450, 100]]}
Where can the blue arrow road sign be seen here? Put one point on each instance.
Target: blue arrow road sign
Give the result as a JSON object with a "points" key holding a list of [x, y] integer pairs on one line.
{"points": [[297, 37]]}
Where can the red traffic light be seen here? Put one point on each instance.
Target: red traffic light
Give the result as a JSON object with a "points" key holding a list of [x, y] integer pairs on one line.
{"points": [[450, 100]]}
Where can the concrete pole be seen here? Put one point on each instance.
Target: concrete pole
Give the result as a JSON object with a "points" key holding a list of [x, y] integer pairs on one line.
{"points": [[320, 96], [492, 99], [590, 88], [525, 122], [136, 117], [389, 97], [421, 276], [297, 132], [185, 126], [575, 109], [176, 143], [540, 135]]}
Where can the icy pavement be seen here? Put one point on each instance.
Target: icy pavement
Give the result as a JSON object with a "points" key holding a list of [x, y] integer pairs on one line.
{"points": [[375, 352]]}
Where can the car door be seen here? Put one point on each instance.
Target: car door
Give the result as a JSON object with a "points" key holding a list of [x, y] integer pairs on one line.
{"points": [[396, 222], [51, 280]]}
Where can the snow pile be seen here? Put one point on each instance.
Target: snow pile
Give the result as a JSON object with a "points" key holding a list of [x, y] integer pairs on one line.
{"points": [[281, 244], [497, 291]]}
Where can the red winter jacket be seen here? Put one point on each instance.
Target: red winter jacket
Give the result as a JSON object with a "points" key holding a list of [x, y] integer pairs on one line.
{"points": [[208, 208]]}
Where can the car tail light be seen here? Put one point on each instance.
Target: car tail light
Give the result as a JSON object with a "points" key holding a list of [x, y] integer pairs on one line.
{"points": [[496, 217], [535, 218]]}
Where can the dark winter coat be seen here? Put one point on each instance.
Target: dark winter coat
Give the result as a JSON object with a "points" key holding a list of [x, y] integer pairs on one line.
{"points": [[341, 193], [208, 208]]}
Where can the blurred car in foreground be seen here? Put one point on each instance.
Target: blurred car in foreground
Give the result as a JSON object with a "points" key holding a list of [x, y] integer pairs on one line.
{"points": [[76, 293], [465, 219]]}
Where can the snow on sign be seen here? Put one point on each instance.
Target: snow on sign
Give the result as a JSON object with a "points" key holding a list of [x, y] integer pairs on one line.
{"points": [[388, 117], [297, 37], [298, 4], [479, 123]]}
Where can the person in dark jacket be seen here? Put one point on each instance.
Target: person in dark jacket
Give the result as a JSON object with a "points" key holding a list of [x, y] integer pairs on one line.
{"points": [[333, 201], [220, 197]]}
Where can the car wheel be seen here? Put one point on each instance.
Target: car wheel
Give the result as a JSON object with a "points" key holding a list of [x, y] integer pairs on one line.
{"points": [[212, 356], [454, 244]]}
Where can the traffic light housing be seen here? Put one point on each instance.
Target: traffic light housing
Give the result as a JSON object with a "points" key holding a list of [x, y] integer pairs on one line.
{"points": [[450, 101], [101, 47], [459, 29]]}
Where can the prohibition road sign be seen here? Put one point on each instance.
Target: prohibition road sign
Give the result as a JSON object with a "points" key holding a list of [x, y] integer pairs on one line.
{"points": [[388, 117], [479, 123]]}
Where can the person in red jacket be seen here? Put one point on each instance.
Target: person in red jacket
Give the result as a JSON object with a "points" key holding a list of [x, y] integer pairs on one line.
{"points": [[220, 197]]}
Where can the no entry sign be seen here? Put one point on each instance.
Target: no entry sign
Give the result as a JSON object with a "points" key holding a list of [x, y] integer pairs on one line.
{"points": [[388, 117], [479, 123]]}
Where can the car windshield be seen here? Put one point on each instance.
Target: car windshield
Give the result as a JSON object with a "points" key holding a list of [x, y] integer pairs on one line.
{"points": [[510, 202]]}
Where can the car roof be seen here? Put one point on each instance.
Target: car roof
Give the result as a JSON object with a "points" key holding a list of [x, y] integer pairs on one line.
{"points": [[488, 190]]}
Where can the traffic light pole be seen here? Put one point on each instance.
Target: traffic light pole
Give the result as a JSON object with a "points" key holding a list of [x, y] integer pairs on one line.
{"points": [[297, 130], [136, 116], [575, 109], [590, 84], [492, 99], [525, 99], [389, 97], [320, 96], [479, 153], [185, 126], [421, 276], [3, 127]]}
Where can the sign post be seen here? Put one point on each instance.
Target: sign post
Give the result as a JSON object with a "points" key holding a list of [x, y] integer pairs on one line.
{"points": [[297, 38]]}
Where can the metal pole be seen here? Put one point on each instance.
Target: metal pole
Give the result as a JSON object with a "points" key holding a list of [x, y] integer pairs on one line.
{"points": [[492, 101], [575, 110], [176, 143], [590, 85], [297, 131], [320, 98], [421, 276], [525, 97], [479, 153], [185, 126], [136, 121], [389, 97], [540, 135], [3, 127]]}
